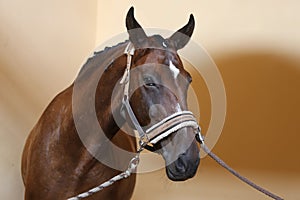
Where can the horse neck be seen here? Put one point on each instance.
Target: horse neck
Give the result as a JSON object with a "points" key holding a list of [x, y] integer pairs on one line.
{"points": [[109, 96], [94, 87]]}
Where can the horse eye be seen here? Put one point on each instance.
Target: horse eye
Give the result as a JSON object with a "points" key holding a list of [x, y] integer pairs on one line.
{"points": [[149, 81]]}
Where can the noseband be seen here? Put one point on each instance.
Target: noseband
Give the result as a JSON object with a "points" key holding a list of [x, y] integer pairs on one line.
{"points": [[162, 129]]}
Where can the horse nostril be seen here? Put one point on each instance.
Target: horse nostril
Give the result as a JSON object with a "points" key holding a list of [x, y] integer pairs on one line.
{"points": [[181, 164]]}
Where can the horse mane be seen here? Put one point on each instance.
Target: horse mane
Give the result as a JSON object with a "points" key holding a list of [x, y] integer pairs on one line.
{"points": [[100, 59]]}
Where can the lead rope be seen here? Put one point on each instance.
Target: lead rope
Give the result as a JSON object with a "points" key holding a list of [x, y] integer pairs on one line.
{"points": [[135, 161], [200, 139], [131, 169]]}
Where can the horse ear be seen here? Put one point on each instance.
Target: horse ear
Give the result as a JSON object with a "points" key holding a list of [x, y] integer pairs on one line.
{"points": [[181, 37], [134, 29]]}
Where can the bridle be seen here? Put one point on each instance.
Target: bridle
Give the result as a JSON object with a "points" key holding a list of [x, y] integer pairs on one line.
{"points": [[157, 132]]}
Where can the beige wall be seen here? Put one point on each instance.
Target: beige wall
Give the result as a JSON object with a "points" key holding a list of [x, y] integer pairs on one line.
{"points": [[254, 43], [220, 25], [42, 45]]}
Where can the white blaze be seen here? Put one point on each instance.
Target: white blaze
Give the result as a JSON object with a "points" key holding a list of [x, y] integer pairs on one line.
{"points": [[174, 69], [178, 108]]}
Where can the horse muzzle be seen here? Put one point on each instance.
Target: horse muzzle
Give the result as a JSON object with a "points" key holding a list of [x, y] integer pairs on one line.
{"points": [[185, 166]]}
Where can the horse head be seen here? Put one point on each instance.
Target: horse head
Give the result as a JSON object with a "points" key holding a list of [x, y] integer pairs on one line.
{"points": [[158, 89]]}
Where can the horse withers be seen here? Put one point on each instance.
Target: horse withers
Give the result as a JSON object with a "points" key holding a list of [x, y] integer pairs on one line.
{"points": [[56, 164]]}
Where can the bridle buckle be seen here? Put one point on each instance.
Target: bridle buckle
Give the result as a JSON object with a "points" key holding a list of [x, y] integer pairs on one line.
{"points": [[144, 141]]}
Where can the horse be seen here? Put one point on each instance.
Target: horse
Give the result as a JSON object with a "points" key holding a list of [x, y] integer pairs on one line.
{"points": [[55, 162]]}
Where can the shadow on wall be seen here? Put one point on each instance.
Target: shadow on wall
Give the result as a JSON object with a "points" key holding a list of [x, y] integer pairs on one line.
{"points": [[262, 127]]}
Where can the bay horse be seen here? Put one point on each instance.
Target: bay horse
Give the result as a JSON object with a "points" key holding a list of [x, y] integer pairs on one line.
{"points": [[55, 162]]}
